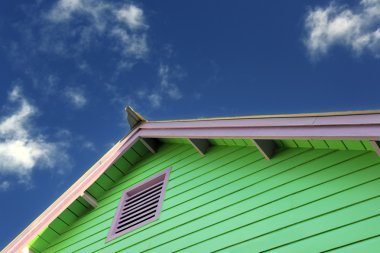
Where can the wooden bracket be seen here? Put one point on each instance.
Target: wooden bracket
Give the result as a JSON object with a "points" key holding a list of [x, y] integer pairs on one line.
{"points": [[89, 199], [266, 147], [151, 144], [376, 146], [201, 145]]}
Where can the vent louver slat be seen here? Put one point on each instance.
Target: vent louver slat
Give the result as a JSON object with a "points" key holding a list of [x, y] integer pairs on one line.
{"points": [[135, 202], [148, 201], [139, 205]]}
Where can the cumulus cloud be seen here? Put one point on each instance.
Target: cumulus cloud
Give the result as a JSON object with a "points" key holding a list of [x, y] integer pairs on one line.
{"points": [[357, 28], [76, 97], [22, 150]]}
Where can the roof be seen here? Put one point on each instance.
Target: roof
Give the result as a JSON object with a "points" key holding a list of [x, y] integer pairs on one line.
{"points": [[359, 125]]}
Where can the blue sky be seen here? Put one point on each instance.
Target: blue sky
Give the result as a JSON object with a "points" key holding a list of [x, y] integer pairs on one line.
{"points": [[68, 68]]}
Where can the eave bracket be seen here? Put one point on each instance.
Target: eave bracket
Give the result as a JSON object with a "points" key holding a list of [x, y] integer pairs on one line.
{"points": [[89, 199], [376, 146], [201, 145], [266, 147], [151, 144]]}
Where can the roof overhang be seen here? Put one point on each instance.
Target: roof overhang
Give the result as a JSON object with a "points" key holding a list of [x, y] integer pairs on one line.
{"points": [[355, 126]]}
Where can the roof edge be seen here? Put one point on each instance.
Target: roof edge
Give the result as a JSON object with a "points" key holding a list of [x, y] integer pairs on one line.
{"points": [[295, 115]]}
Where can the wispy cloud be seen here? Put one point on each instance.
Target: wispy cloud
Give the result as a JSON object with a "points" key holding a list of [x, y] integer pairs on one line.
{"points": [[124, 24], [4, 185], [22, 149], [168, 77], [89, 145], [155, 100], [357, 28], [76, 97]]}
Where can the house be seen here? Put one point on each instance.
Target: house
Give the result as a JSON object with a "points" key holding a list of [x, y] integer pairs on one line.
{"points": [[283, 183]]}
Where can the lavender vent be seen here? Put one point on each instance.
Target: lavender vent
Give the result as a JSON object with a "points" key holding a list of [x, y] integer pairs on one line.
{"points": [[139, 205]]}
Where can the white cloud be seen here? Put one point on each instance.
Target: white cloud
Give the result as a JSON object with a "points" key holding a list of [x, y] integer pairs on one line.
{"points": [[356, 28], [89, 145], [21, 150], [4, 185], [168, 76], [155, 100], [130, 44], [76, 97], [123, 24], [64, 9], [132, 16]]}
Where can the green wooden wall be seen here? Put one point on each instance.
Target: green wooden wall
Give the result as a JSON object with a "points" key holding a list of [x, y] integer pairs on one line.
{"points": [[232, 200]]}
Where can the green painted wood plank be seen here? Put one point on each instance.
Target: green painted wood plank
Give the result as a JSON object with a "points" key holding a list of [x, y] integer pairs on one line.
{"points": [[38, 244], [114, 173], [319, 144], [105, 182], [59, 226], [240, 142], [35, 250], [123, 165], [229, 142], [303, 143], [49, 235], [140, 148], [78, 208], [172, 140], [132, 156], [371, 244], [367, 145], [83, 202], [289, 144], [354, 145], [328, 221], [96, 190], [249, 143], [336, 144], [220, 142], [68, 217]]}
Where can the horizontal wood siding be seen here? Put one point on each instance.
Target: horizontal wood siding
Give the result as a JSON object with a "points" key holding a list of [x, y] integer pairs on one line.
{"points": [[233, 200]]}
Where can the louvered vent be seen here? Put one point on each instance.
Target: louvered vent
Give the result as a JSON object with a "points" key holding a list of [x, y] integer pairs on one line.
{"points": [[139, 205]]}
